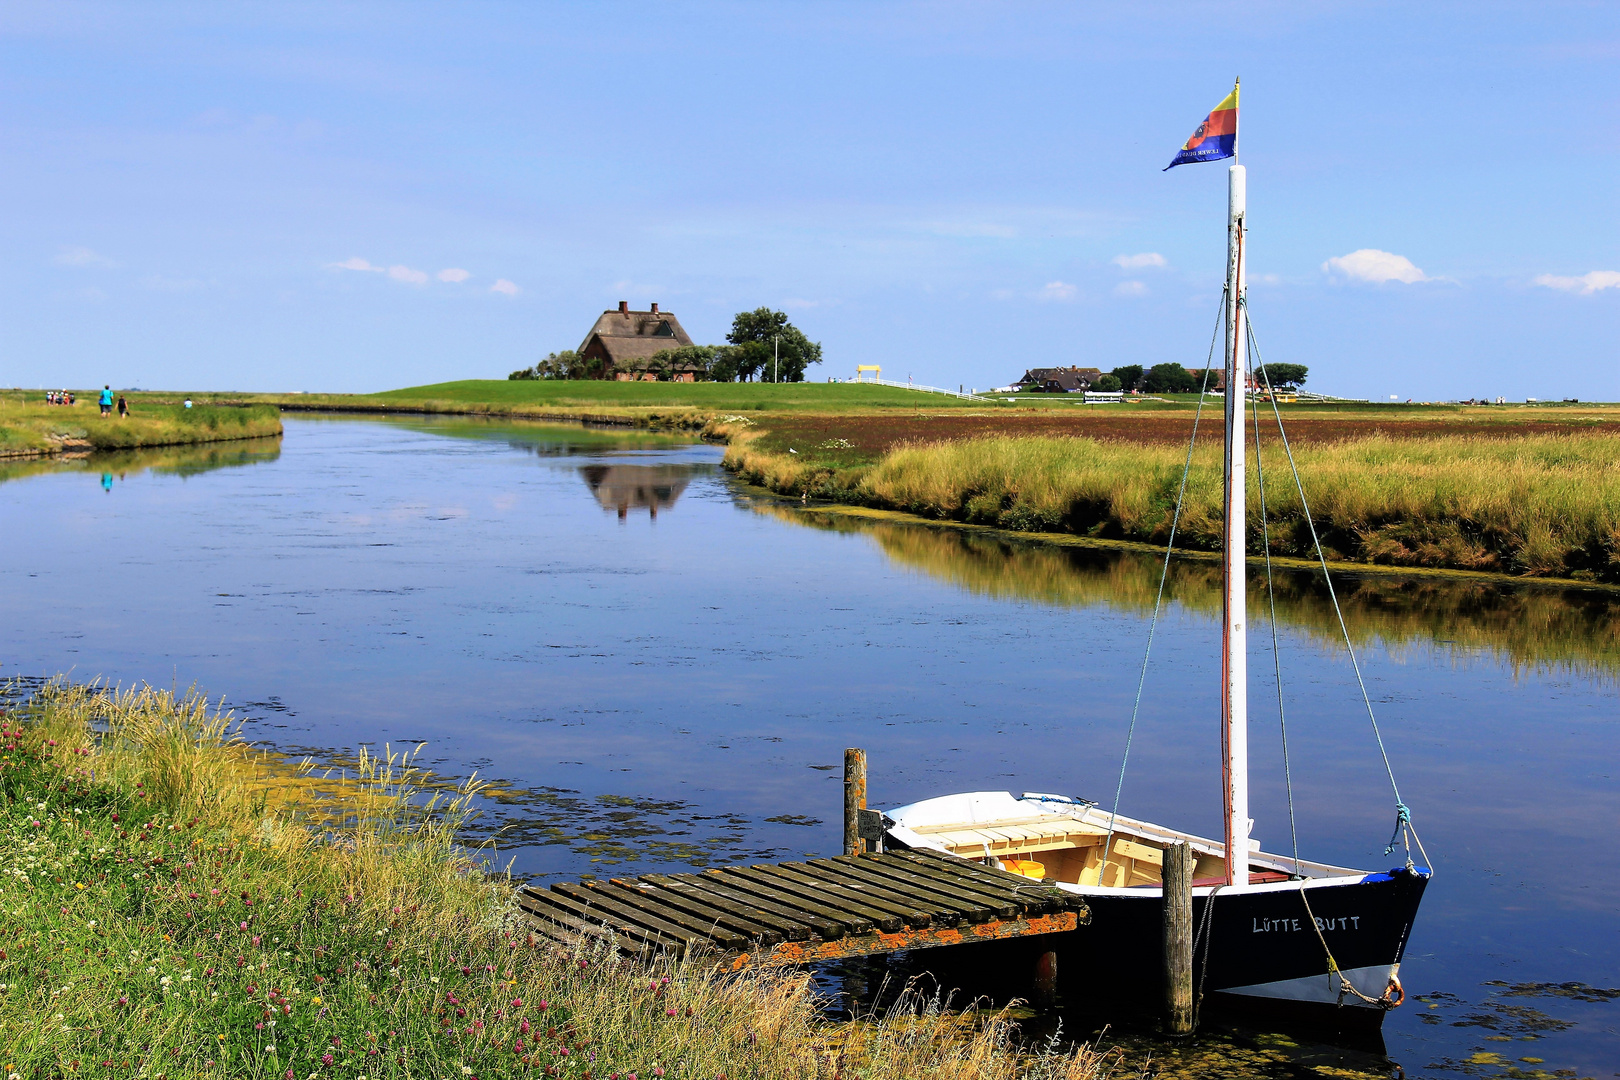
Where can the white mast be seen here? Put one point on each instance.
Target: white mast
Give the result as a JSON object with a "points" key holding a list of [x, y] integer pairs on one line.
{"points": [[1234, 666]]}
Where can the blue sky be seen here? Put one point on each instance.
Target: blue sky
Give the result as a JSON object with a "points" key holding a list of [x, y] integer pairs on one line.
{"points": [[954, 191]]}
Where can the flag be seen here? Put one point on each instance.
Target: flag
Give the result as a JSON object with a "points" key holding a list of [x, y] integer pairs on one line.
{"points": [[1215, 138]]}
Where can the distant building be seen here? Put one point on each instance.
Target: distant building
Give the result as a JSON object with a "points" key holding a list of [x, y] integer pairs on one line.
{"points": [[1069, 380], [625, 341]]}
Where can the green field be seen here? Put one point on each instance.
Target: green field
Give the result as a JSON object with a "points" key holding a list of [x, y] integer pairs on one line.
{"points": [[737, 397]]}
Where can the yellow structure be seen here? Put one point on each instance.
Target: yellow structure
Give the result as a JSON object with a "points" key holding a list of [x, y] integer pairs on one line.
{"points": [[862, 369]]}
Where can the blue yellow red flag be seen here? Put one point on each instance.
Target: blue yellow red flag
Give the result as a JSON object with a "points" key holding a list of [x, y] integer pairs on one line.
{"points": [[1215, 138]]}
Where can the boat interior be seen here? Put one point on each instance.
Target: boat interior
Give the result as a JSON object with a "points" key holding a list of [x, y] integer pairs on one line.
{"points": [[1056, 838]]}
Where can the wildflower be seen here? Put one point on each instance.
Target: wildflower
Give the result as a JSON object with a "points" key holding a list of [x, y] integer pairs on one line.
{"points": [[314, 1001], [517, 1003], [524, 1027], [326, 1059], [271, 1048]]}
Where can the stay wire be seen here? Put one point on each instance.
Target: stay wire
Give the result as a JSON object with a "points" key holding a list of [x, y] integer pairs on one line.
{"points": [[1402, 814], [1164, 574], [1276, 649]]}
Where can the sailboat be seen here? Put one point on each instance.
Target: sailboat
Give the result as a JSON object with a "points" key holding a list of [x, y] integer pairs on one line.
{"points": [[1270, 928]]}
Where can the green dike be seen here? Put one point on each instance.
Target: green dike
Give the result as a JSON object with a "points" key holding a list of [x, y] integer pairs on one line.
{"points": [[178, 905]]}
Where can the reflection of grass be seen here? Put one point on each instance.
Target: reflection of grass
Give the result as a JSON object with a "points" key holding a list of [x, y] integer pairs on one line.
{"points": [[172, 460], [1545, 505], [1530, 626], [32, 427], [167, 916]]}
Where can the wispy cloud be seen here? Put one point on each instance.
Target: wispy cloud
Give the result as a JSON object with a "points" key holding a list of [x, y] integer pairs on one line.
{"points": [[82, 256], [1130, 288], [1586, 284], [356, 263], [407, 275], [505, 288], [1377, 267], [1057, 290], [454, 275], [1140, 262]]}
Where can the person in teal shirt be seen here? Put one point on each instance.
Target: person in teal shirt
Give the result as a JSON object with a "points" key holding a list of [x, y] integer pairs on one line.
{"points": [[106, 401]]}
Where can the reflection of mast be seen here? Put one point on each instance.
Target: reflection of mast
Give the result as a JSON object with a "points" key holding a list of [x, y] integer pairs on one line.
{"points": [[631, 487]]}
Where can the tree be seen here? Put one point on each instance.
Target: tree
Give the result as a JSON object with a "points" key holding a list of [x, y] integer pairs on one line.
{"points": [[665, 362], [1168, 379], [760, 337], [1281, 375], [1106, 384], [1129, 376]]}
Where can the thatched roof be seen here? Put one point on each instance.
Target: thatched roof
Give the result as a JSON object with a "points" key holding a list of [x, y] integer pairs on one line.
{"points": [[622, 335]]}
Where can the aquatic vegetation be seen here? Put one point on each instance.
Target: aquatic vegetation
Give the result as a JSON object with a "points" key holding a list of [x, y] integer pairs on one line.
{"points": [[173, 911]]}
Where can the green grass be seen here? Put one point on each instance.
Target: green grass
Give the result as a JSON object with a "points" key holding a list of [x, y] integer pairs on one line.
{"points": [[29, 426], [737, 397], [177, 906], [1540, 505]]}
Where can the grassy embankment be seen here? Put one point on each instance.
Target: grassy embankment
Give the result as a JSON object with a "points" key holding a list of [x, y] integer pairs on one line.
{"points": [[29, 427], [171, 912], [1532, 504]]}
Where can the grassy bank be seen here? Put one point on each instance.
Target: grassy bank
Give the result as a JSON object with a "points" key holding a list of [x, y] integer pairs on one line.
{"points": [[176, 907], [30, 427], [1540, 505]]}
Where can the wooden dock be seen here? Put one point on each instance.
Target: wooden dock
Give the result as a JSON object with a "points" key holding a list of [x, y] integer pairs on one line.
{"points": [[802, 912]]}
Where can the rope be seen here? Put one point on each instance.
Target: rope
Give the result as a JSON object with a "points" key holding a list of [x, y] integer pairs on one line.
{"points": [[1158, 599], [1402, 815], [1204, 935], [1345, 985], [1276, 649]]}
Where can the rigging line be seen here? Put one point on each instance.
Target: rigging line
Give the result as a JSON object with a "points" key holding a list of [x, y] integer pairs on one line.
{"points": [[1158, 600], [1276, 649], [1400, 805]]}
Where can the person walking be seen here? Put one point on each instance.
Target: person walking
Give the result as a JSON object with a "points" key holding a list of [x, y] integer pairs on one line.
{"points": [[106, 400], [123, 407]]}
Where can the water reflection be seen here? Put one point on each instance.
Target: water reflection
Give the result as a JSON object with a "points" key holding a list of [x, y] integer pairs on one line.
{"points": [[1531, 627], [636, 487], [114, 466]]}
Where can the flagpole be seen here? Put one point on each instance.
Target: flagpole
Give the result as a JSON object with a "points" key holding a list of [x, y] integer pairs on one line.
{"points": [[1234, 598]]}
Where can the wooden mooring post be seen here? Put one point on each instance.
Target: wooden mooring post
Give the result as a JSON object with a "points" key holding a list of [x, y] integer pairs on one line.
{"points": [[854, 799], [1178, 940]]}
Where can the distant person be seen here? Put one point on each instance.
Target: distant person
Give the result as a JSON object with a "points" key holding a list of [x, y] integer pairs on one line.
{"points": [[106, 400], [70, 397], [106, 482], [188, 403], [123, 407]]}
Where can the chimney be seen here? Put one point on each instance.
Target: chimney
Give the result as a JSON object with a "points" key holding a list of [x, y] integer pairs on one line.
{"points": [[624, 308], [655, 309]]}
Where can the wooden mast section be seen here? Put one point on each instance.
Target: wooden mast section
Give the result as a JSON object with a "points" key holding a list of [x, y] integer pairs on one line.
{"points": [[1234, 664]]}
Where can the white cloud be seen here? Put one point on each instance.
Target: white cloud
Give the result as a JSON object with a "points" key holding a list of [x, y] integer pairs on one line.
{"points": [[1586, 284], [454, 275], [1057, 290], [356, 263], [1370, 264], [1140, 262], [1130, 288], [505, 288], [82, 256], [407, 275]]}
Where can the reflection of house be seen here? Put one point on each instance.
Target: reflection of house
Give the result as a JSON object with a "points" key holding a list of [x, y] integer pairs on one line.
{"points": [[625, 340], [631, 487], [1069, 380]]}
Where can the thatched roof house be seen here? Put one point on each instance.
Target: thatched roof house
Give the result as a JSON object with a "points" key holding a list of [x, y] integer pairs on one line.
{"points": [[625, 340], [1069, 380]]}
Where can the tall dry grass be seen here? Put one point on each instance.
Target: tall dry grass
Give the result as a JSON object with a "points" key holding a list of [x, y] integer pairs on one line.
{"points": [[28, 426], [1541, 505], [175, 909]]}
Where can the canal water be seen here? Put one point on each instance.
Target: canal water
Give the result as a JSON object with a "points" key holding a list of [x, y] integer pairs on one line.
{"points": [[657, 668]]}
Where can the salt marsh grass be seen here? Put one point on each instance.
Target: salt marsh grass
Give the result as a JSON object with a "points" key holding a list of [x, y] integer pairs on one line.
{"points": [[1541, 505], [32, 427], [178, 905]]}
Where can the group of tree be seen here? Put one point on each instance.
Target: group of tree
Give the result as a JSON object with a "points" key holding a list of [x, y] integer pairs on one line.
{"points": [[762, 346], [1175, 379]]}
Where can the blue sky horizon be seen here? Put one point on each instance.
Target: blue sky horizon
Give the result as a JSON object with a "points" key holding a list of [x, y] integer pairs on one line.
{"points": [[359, 197]]}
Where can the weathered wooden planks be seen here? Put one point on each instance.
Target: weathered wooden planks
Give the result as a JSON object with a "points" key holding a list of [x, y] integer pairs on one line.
{"points": [[799, 912]]}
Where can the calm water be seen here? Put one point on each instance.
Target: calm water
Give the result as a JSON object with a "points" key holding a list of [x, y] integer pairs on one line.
{"points": [[660, 669]]}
